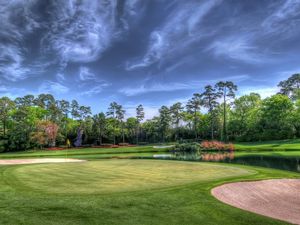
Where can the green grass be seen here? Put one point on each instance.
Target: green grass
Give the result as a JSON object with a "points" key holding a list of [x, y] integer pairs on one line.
{"points": [[82, 152], [269, 153], [109, 176], [126, 192], [283, 145]]}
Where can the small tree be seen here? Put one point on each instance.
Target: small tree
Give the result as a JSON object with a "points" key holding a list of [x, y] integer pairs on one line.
{"points": [[46, 133]]}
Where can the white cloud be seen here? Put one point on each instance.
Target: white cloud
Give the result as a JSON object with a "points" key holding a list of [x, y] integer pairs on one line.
{"points": [[179, 32], [11, 63], [53, 88], [285, 18], [238, 48], [60, 77], [168, 87], [263, 91], [132, 91], [85, 74], [95, 90], [82, 31]]}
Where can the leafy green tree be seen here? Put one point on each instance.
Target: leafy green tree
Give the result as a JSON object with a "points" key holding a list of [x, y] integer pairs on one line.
{"points": [[23, 123], [193, 107], [140, 115], [291, 87], [131, 125], [275, 118], [112, 112], [164, 121], [245, 109], [296, 118], [6, 106], [210, 101], [75, 109], [27, 100], [120, 114], [176, 111], [226, 91], [100, 126]]}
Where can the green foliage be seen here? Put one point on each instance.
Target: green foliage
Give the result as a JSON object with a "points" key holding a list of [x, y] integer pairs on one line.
{"points": [[186, 148], [247, 118]]}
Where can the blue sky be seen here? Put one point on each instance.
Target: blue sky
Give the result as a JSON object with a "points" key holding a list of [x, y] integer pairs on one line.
{"points": [[151, 52]]}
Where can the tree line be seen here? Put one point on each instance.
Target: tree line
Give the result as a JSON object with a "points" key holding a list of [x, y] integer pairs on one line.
{"points": [[214, 114]]}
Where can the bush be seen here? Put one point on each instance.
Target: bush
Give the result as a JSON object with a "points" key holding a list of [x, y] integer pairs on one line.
{"points": [[217, 146], [187, 148]]}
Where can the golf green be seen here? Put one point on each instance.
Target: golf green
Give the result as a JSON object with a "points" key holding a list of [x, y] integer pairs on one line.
{"points": [[109, 176]]}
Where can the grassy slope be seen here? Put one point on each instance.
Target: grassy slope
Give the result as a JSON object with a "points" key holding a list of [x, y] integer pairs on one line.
{"points": [[184, 204], [85, 152], [283, 145]]}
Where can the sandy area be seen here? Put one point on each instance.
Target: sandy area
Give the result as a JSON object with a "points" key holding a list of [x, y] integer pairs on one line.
{"points": [[277, 198], [37, 160]]}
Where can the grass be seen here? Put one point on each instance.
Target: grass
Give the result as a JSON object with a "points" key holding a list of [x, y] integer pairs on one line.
{"points": [[110, 176], [270, 153], [126, 192], [283, 145], [82, 152]]}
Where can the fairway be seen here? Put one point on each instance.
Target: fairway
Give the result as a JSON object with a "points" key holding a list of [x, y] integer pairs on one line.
{"points": [[123, 191], [110, 176]]}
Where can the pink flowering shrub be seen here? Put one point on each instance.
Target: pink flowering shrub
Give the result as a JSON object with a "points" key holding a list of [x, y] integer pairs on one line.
{"points": [[217, 146]]}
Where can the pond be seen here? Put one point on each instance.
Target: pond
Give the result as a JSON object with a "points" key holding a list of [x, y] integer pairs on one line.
{"points": [[276, 162]]}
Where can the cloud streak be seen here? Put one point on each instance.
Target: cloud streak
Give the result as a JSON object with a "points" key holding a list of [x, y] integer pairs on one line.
{"points": [[180, 30]]}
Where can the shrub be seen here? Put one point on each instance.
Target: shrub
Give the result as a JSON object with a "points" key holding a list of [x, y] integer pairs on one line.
{"points": [[187, 148], [217, 146]]}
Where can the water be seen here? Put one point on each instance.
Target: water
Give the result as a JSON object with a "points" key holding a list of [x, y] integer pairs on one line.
{"points": [[275, 162]]}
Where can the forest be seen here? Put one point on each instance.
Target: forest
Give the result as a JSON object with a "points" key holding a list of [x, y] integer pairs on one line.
{"points": [[215, 114]]}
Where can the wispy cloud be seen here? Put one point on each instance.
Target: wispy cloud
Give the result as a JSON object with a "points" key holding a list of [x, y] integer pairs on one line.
{"points": [[53, 88], [238, 48], [132, 91], [169, 87], [180, 31], [85, 74], [17, 22], [284, 19], [11, 63], [81, 32], [94, 90]]}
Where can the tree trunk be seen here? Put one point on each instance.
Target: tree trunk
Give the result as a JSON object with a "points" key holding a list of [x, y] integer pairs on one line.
{"points": [[224, 122]]}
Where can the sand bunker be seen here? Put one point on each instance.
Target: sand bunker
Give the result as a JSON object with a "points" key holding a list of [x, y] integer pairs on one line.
{"points": [[37, 160], [279, 198]]}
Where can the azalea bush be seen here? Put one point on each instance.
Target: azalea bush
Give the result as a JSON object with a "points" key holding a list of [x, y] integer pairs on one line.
{"points": [[217, 146]]}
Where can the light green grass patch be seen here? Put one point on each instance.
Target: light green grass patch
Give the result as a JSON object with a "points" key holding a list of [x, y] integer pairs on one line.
{"points": [[110, 176]]}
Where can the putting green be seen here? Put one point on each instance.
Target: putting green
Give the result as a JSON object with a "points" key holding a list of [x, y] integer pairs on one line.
{"points": [[110, 176]]}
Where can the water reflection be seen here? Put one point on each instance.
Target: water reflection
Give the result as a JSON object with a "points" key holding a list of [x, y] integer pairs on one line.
{"points": [[276, 162]]}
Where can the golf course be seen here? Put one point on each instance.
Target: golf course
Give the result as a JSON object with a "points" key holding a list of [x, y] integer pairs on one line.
{"points": [[149, 112], [123, 185]]}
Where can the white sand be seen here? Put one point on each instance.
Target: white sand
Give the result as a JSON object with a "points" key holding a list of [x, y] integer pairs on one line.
{"points": [[277, 198]]}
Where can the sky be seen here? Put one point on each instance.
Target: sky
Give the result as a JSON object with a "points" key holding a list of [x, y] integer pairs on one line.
{"points": [[150, 52]]}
